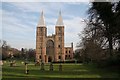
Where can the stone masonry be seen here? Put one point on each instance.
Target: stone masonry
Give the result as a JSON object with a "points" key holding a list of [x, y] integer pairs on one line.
{"points": [[51, 48]]}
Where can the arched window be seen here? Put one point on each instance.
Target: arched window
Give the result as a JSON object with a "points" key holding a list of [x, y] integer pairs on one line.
{"points": [[50, 44], [50, 47]]}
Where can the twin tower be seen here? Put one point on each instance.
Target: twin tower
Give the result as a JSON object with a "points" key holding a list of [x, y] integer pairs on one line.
{"points": [[51, 48]]}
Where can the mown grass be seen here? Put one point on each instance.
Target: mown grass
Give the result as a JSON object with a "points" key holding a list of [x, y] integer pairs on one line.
{"points": [[69, 71]]}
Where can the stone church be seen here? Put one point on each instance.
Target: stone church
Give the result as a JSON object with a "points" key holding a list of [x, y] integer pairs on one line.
{"points": [[52, 48]]}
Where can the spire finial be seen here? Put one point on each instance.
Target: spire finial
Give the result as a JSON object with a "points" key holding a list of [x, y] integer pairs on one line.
{"points": [[42, 20], [60, 12], [42, 12]]}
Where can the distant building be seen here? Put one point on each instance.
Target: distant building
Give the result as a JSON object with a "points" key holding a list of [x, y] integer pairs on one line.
{"points": [[51, 48]]}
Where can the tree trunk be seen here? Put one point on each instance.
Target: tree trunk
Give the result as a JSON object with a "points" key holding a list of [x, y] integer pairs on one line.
{"points": [[110, 45]]}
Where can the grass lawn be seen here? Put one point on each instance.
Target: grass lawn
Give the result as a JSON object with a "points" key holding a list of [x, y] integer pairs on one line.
{"points": [[70, 71]]}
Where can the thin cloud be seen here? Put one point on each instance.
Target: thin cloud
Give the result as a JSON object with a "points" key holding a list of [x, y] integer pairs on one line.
{"points": [[19, 24], [72, 28]]}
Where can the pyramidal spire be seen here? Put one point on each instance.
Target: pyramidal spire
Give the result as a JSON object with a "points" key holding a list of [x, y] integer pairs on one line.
{"points": [[42, 20], [60, 20]]}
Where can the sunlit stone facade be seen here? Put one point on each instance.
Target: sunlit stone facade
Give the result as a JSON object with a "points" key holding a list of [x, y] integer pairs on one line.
{"points": [[51, 48]]}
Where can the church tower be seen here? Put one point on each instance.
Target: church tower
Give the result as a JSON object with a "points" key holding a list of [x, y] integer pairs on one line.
{"points": [[51, 48], [40, 40], [59, 39]]}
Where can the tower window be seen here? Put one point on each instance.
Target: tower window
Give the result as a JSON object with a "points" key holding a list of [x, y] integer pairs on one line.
{"points": [[40, 57], [69, 56], [69, 51], [60, 39], [59, 57], [66, 51], [65, 56], [60, 29], [59, 46]]}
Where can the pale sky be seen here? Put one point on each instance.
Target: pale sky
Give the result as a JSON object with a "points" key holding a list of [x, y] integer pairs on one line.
{"points": [[20, 19]]}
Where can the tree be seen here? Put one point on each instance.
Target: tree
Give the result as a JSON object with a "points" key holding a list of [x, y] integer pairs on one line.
{"points": [[77, 55], [4, 44], [93, 42], [102, 31], [5, 49], [27, 53], [105, 15], [31, 54], [22, 53]]}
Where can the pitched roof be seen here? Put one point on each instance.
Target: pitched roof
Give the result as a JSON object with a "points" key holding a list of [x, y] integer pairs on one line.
{"points": [[60, 20], [42, 21]]}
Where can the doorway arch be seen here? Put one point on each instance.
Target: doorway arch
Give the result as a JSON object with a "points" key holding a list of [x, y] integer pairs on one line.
{"points": [[50, 50], [49, 59]]}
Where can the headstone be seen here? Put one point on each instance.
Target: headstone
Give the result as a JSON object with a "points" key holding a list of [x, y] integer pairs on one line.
{"points": [[60, 67], [42, 66], [22, 62], [26, 68], [12, 63], [51, 67]]}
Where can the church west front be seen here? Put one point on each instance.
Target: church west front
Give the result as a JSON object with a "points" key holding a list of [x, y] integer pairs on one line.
{"points": [[52, 48]]}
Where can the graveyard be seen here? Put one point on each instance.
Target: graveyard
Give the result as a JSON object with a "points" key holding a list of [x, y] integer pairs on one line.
{"points": [[69, 71], [56, 41]]}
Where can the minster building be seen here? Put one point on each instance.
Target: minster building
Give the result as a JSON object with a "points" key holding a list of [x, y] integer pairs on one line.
{"points": [[51, 48]]}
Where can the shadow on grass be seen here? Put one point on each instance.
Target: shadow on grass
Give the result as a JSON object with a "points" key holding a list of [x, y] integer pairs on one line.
{"points": [[79, 72], [103, 72], [47, 78]]}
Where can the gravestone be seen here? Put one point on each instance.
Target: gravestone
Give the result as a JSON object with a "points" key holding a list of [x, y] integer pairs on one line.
{"points": [[42, 66], [51, 67], [60, 67], [26, 68], [12, 63]]}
